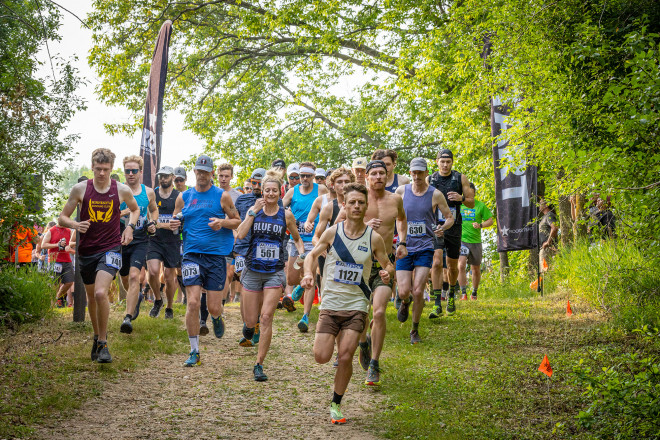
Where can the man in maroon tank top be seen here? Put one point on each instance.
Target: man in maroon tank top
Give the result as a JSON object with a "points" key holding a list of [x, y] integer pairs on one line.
{"points": [[99, 246]]}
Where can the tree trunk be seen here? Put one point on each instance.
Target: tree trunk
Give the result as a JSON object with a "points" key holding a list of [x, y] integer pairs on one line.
{"points": [[565, 221], [504, 266], [580, 224], [533, 262]]}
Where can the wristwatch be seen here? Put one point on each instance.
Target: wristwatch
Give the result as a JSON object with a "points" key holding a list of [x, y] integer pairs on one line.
{"points": [[132, 225], [403, 243], [481, 226], [252, 213], [463, 198]]}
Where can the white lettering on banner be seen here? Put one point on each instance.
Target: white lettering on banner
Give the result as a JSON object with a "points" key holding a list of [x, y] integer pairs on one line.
{"points": [[113, 259], [504, 152], [190, 270], [348, 273], [268, 252]]}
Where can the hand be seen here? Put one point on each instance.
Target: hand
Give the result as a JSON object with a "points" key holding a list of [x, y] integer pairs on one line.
{"points": [[174, 224], [307, 282], [215, 223], [70, 250], [374, 223], [439, 232], [259, 205], [127, 236], [82, 227], [401, 252], [152, 228], [476, 225], [385, 276], [454, 196], [309, 227]]}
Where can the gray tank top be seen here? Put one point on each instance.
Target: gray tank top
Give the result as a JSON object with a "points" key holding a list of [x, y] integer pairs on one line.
{"points": [[421, 219]]}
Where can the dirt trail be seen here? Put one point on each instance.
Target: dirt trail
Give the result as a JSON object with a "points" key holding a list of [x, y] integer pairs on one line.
{"points": [[220, 399]]}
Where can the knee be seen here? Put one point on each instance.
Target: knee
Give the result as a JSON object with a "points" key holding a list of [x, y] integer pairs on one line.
{"points": [[100, 294], [133, 276], [320, 357], [193, 303], [266, 319], [379, 315], [344, 357]]}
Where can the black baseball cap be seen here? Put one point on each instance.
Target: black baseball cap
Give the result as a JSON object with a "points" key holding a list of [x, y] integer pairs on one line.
{"points": [[375, 164], [445, 153], [278, 163]]}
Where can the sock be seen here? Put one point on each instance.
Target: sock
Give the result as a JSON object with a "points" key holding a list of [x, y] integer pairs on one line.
{"points": [[162, 286], [203, 310], [129, 316], [437, 292], [336, 398], [100, 342], [194, 343], [438, 299], [445, 286], [158, 301], [373, 363], [452, 291], [474, 292], [364, 344], [248, 333], [96, 337], [146, 289], [415, 326], [463, 289]]}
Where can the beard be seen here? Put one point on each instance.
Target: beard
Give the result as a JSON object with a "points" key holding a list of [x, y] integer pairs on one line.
{"points": [[165, 184]]}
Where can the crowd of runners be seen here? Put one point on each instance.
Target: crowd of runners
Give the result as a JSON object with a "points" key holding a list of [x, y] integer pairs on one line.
{"points": [[351, 239]]}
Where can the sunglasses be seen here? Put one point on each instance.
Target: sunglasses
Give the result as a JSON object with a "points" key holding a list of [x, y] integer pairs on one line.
{"points": [[294, 177], [179, 180], [306, 176], [131, 171], [255, 182]]}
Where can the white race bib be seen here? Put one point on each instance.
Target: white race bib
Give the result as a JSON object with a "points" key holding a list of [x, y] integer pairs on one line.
{"points": [[268, 252], [239, 264], [301, 228], [164, 218], [416, 229], [57, 267], [465, 251], [348, 273], [190, 270], [113, 259], [142, 220]]}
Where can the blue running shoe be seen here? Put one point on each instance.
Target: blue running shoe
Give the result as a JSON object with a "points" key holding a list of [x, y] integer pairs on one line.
{"points": [[303, 324], [193, 359], [297, 293], [218, 326], [255, 338]]}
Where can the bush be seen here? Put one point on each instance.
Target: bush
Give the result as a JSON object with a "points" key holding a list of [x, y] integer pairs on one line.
{"points": [[25, 295]]}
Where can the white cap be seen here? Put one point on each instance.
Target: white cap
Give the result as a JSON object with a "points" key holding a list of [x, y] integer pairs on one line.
{"points": [[293, 169], [320, 172]]}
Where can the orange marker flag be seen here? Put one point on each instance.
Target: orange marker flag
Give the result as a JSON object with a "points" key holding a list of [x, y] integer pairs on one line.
{"points": [[545, 366], [569, 311]]}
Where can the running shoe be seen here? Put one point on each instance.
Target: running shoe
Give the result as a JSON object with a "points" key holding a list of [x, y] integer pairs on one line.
{"points": [[297, 293], [414, 337], [287, 302], [365, 354], [473, 297], [137, 307], [193, 359], [126, 326], [464, 297], [436, 312], [336, 417], [451, 307], [257, 332], [373, 376], [245, 342], [218, 326], [95, 350], [248, 333], [259, 374], [169, 313], [404, 310], [103, 353], [336, 362], [155, 310], [60, 303], [397, 302], [303, 324], [203, 328], [279, 305]]}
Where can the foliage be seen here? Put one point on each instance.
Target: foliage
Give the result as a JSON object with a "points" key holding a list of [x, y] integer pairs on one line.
{"points": [[25, 295], [34, 110], [624, 397]]}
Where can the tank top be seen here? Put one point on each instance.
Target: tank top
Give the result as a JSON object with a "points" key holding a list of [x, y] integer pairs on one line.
{"points": [[346, 272], [198, 237], [265, 253], [56, 234], [335, 212], [421, 218], [165, 210], [395, 184], [140, 232], [102, 211], [447, 184], [301, 204]]}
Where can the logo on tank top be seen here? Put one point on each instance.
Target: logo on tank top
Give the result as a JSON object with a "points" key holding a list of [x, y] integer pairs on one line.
{"points": [[363, 248], [100, 211]]}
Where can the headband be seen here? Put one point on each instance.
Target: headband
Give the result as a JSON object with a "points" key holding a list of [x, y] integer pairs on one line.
{"points": [[307, 170], [375, 164]]}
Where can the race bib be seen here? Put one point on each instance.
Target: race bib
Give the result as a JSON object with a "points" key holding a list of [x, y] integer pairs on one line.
{"points": [[164, 218], [465, 251], [268, 252], [416, 229], [301, 229], [57, 267], [142, 220], [113, 259], [190, 270], [239, 264], [453, 211], [348, 273]]}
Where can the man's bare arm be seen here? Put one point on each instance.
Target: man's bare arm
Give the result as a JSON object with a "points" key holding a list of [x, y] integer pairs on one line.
{"points": [[76, 196], [467, 192]]}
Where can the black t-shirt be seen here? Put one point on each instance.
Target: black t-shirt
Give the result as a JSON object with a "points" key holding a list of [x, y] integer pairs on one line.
{"points": [[165, 210]]}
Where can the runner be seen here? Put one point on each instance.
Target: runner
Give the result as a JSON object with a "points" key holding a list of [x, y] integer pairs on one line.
{"points": [[390, 158], [247, 187], [293, 176], [320, 176], [134, 256], [475, 219], [180, 177], [99, 249], [359, 170], [301, 198], [351, 247], [456, 189], [164, 246], [56, 240], [208, 216], [225, 174], [421, 202], [263, 278]]}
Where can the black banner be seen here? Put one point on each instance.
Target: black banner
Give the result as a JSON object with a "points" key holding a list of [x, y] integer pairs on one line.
{"points": [[152, 127], [515, 190]]}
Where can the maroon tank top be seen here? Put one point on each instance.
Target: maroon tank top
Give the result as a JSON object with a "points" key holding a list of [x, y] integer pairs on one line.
{"points": [[102, 211]]}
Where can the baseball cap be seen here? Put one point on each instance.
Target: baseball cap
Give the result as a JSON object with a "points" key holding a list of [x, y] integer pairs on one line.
{"points": [[375, 164], [165, 170], [180, 172], [320, 172], [278, 163], [293, 169], [204, 163], [418, 164], [445, 153], [259, 174], [360, 162]]}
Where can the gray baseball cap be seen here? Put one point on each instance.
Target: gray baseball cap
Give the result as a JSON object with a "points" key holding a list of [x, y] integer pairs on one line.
{"points": [[165, 170], [204, 163], [418, 164], [180, 172], [320, 172], [259, 173]]}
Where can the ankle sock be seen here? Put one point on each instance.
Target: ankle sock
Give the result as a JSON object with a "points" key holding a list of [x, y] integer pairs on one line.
{"points": [[336, 398], [415, 326], [194, 343]]}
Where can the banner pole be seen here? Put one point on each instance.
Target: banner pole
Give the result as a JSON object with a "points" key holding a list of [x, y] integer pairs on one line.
{"points": [[539, 287]]}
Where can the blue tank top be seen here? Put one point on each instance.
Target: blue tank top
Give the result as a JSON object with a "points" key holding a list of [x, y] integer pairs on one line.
{"points": [[421, 219], [140, 233], [395, 184], [265, 253], [198, 237], [300, 207]]}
